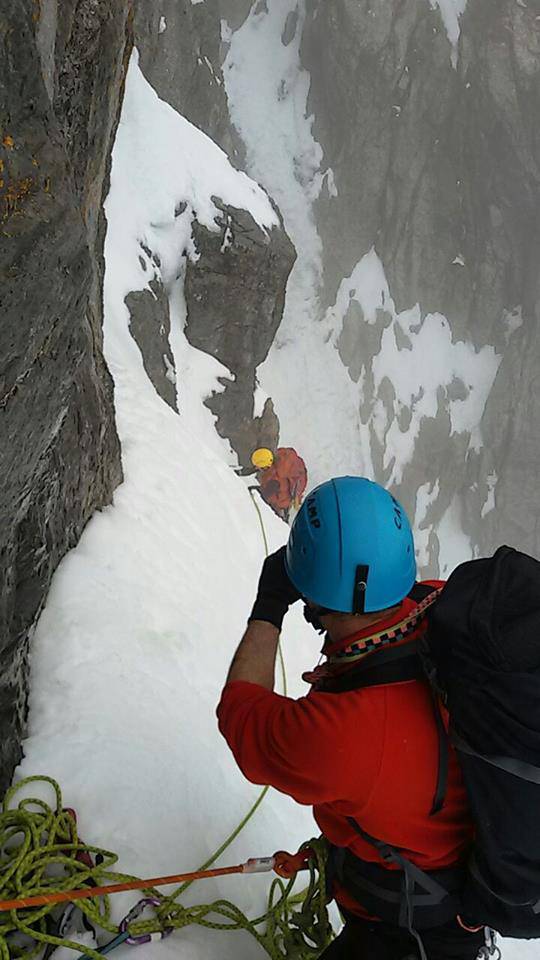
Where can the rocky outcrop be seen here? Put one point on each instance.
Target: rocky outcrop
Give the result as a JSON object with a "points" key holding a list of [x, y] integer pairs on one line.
{"points": [[61, 86], [235, 291], [150, 326], [438, 167]]}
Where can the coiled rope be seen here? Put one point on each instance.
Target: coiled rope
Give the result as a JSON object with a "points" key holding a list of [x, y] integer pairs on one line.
{"points": [[41, 852]]}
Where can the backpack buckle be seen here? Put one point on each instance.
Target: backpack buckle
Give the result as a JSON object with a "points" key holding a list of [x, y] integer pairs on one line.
{"points": [[490, 951]]}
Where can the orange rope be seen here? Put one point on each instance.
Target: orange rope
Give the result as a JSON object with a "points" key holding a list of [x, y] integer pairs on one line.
{"points": [[284, 864], [87, 892]]}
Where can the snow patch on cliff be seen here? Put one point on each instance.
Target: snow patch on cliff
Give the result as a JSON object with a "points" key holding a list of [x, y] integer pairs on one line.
{"points": [[427, 371], [417, 375], [489, 503], [176, 163], [367, 285], [513, 320], [454, 544], [426, 495], [166, 173], [451, 11]]}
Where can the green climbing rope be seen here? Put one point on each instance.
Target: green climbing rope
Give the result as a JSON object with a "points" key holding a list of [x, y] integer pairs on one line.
{"points": [[232, 836], [41, 852]]}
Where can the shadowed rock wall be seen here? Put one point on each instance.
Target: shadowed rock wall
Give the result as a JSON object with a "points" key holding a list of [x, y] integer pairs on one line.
{"points": [[235, 293], [438, 168], [60, 91]]}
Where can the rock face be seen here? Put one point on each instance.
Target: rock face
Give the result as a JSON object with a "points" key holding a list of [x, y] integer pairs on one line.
{"points": [[235, 289], [61, 86], [438, 167], [150, 326], [235, 293], [179, 44]]}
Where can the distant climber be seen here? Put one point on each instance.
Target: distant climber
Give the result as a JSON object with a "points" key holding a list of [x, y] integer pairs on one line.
{"points": [[282, 478]]}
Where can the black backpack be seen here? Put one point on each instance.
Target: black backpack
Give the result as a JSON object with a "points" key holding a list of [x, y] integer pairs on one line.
{"points": [[483, 642], [482, 655]]}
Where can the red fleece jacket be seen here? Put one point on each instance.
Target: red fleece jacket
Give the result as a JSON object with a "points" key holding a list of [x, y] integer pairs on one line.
{"points": [[371, 754]]}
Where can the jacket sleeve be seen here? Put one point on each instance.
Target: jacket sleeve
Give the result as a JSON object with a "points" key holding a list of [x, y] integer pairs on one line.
{"points": [[294, 471], [300, 477], [289, 744]]}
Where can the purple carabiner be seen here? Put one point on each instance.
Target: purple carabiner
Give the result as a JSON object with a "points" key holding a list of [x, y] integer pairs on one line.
{"points": [[136, 912]]}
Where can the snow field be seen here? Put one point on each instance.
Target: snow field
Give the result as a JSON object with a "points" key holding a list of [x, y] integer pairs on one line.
{"points": [[143, 617], [132, 651]]}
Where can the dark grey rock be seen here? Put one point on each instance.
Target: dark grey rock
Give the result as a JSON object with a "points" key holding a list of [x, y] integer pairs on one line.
{"points": [[235, 420], [59, 454], [359, 342], [290, 28], [439, 169], [150, 326], [235, 11], [512, 450], [235, 293], [180, 55]]}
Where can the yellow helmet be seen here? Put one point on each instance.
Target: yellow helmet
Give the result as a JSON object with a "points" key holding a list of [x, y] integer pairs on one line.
{"points": [[262, 458]]}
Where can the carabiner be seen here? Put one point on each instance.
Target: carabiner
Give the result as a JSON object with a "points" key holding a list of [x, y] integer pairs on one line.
{"points": [[136, 912]]}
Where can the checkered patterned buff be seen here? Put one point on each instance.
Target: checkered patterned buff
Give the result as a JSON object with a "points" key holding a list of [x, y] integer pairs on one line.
{"points": [[396, 633]]}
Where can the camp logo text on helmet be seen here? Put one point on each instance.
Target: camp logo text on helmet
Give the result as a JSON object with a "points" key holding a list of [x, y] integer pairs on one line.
{"points": [[351, 547], [398, 514], [311, 507]]}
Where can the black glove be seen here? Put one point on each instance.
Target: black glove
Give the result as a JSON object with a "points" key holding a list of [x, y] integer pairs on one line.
{"points": [[276, 592]]}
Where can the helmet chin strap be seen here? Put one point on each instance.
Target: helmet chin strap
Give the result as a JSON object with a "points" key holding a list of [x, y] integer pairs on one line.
{"points": [[312, 616], [313, 612]]}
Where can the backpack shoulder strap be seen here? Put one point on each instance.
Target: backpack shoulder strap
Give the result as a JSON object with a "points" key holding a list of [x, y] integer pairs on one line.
{"points": [[419, 591], [388, 665]]}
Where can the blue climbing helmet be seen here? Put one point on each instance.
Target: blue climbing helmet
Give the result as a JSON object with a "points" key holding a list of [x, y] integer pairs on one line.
{"points": [[351, 547]]}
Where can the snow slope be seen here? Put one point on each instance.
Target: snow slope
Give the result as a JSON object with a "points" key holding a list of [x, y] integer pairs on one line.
{"points": [[143, 617]]}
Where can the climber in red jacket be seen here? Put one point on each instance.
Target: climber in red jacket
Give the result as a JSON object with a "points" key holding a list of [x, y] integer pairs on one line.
{"points": [[282, 478], [364, 751]]}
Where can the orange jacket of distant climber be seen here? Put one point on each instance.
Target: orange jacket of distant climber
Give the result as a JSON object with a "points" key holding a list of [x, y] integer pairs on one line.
{"points": [[284, 482]]}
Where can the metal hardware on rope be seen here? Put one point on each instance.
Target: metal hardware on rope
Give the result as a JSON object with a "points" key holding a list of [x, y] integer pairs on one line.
{"points": [[38, 842], [490, 951], [134, 914]]}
